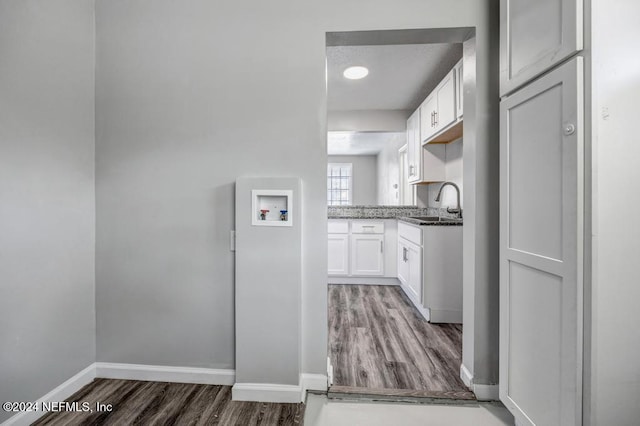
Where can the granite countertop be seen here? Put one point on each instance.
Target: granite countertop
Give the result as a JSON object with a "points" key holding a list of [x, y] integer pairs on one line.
{"points": [[443, 222], [404, 213]]}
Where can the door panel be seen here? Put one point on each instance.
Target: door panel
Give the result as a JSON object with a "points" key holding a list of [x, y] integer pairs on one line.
{"points": [[535, 36], [541, 196], [367, 255], [338, 261], [446, 93]]}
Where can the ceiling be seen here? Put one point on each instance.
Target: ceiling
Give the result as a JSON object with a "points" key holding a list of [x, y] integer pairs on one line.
{"points": [[361, 143], [400, 76]]}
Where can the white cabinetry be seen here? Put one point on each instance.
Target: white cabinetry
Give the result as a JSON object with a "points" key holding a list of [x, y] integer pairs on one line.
{"points": [[338, 260], [426, 164], [410, 267], [367, 255], [362, 248], [458, 73], [430, 270], [536, 36], [438, 111]]}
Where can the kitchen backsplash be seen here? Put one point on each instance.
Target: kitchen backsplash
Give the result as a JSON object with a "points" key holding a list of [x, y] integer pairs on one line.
{"points": [[384, 212]]}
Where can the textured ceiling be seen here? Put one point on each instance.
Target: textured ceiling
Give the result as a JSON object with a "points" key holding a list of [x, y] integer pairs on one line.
{"points": [[400, 76], [361, 143]]}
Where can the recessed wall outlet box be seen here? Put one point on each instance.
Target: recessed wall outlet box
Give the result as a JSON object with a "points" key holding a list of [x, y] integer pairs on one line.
{"points": [[271, 207]]}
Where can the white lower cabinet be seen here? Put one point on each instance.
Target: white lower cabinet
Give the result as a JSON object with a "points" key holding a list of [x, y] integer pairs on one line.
{"points": [[410, 267], [367, 255], [430, 270], [338, 261], [362, 248]]}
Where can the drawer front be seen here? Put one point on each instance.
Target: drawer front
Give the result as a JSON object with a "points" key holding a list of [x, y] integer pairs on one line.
{"points": [[338, 226], [410, 233], [367, 227]]}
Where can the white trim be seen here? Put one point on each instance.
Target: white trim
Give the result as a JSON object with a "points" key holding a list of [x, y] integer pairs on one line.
{"points": [[60, 393], [314, 382], [363, 280], [482, 392], [486, 392], [466, 376], [161, 373], [266, 392]]}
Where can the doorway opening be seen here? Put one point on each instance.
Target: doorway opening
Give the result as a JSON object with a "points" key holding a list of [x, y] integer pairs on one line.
{"points": [[395, 231]]}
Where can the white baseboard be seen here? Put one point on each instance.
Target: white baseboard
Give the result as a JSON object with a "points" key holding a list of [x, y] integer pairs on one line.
{"points": [[466, 376], [364, 280], [60, 393], [486, 392], [161, 373], [482, 392], [314, 382], [266, 392], [447, 316]]}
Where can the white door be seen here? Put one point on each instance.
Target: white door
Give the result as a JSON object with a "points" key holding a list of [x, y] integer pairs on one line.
{"points": [[535, 36], [414, 254], [367, 255], [428, 117], [541, 215], [338, 261], [446, 94], [414, 146], [407, 191], [403, 263]]}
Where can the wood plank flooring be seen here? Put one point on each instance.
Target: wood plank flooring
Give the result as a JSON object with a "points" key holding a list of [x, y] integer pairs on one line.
{"points": [[156, 403], [379, 344]]}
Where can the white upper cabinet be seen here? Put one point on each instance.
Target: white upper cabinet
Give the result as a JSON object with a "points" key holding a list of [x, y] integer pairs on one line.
{"points": [[535, 36], [413, 147], [438, 111], [458, 69]]}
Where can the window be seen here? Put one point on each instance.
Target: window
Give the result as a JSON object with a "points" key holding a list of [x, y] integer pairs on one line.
{"points": [[339, 184]]}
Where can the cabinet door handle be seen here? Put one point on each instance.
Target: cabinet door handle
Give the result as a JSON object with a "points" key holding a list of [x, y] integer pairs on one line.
{"points": [[404, 254], [381, 246], [435, 116], [431, 118]]}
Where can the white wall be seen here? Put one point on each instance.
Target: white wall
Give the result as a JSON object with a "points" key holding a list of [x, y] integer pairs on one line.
{"points": [[364, 179], [47, 212], [388, 164], [613, 368], [191, 95], [368, 120]]}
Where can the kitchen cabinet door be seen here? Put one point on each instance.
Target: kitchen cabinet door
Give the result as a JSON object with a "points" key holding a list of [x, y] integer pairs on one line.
{"points": [[446, 102], [403, 263], [414, 283], [459, 89], [367, 255], [536, 36], [428, 111], [338, 261], [541, 158], [414, 147]]}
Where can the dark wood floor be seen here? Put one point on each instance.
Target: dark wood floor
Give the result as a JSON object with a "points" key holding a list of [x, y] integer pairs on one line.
{"points": [[155, 403], [379, 344]]}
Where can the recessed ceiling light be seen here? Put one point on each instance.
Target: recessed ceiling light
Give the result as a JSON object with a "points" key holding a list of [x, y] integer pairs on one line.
{"points": [[356, 73]]}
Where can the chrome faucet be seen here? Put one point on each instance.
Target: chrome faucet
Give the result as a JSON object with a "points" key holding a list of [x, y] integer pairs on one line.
{"points": [[458, 210]]}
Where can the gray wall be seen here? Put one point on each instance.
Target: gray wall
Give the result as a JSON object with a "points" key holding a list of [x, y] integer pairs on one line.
{"points": [[388, 165], [365, 177], [47, 316], [614, 338], [368, 120], [191, 95], [481, 202]]}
